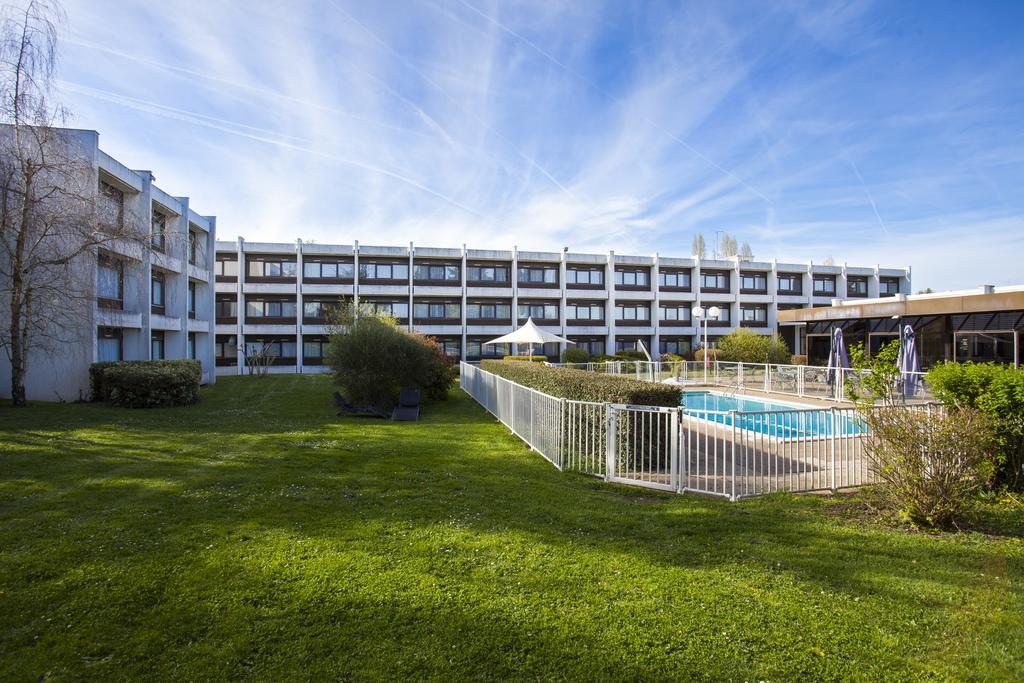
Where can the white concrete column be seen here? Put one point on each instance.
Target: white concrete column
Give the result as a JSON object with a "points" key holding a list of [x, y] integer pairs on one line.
{"points": [[463, 279], [355, 275], [562, 300], [412, 257], [514, 277], [299, 272], [656, 307], [609, 312], [240, 296]]}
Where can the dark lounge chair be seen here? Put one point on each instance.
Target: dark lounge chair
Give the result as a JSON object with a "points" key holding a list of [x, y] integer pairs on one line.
{"points": [[408, 408], [363, 411]]}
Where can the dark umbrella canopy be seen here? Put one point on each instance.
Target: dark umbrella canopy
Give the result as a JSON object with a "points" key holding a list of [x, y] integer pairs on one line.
{"points": [[838, 361], [908, 363]]}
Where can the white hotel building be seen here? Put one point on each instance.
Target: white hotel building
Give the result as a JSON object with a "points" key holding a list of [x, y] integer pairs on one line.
{"points": [[152, 301], [275, 293]]}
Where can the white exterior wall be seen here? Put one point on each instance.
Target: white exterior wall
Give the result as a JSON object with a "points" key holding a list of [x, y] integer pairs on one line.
{"points": [[62, 373], [514, 293]]}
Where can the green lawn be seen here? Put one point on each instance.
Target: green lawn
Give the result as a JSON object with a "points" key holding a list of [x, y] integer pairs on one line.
{"points": [[256, 535]]}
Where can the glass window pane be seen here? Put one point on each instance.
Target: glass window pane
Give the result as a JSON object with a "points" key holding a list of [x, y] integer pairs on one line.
{"points": [[311, 270]]}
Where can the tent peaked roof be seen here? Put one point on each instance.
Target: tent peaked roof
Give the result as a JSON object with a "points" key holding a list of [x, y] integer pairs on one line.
{"points": [[529, 333]]}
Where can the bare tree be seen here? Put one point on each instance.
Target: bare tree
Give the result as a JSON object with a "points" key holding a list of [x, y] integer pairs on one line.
{"points": [[50, 225], [258, 358], [829, 261], [746, 251], [699, 248], [728, 245]]}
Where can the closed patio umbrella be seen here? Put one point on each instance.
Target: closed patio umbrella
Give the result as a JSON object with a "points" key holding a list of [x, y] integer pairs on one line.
{"points": [[530, 334], [908, 363], [837, 362]]}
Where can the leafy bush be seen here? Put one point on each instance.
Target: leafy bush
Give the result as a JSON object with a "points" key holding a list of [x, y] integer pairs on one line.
{"points": [[581, 385], [712, 354], [931, 464], [744, 346], [146, 383], [671, 358], [571, 355], [531, 359], [373, 360], [997, 391], [798, 359], [878, 376], [629, 354]]}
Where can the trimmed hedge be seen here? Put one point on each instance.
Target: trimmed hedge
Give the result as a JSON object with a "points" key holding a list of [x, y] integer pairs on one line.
{"points": [[997, 391], [146, 383], [575, 356], [580, 385], [532, 359]]}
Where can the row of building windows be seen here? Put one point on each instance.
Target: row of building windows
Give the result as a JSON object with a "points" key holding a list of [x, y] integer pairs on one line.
{"points": [[544, 275], [588, 312], [110, 287], [110, 344], [283, 350]]}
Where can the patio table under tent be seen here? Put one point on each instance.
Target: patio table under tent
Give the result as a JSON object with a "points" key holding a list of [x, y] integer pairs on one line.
{"points": [[530, 334]]}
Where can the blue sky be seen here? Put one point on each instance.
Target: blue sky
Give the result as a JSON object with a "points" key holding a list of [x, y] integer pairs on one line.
{"points": [[887, 133]]}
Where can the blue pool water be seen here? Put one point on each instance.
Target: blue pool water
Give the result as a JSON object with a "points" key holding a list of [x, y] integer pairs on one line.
{"points": [[780, 420]]}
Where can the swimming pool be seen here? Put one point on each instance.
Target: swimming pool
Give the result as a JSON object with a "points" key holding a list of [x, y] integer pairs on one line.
{"points": [[782, 420]]}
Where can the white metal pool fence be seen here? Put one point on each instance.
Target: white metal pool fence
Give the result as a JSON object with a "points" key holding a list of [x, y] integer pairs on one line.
{"points": [[733, 454], [810, 381]]}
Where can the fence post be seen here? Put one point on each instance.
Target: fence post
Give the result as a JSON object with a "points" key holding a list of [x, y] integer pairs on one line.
{"points": [[674, 449], [561, 434], [532, 401], [512, 409], [800, 380], [732, 495], [739, 375], [767, 377], [609, 454], [832, 450]]}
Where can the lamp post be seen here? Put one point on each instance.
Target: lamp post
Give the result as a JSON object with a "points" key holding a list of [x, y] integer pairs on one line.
{"points": [[713, 312]]}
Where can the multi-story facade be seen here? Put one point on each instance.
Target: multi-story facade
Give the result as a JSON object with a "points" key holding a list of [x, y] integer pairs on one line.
{"points": [[152, 301], [273, 295]]}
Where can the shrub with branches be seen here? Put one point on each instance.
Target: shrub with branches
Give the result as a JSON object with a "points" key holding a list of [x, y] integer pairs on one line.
{"points": [[931, 463], [744, 346], [373, 359]]}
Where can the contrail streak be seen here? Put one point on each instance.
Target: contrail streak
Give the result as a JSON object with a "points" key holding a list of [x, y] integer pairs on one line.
{"points": [[269, 93], [867, 192], [258, 134], [675, 138], [531, 161]]}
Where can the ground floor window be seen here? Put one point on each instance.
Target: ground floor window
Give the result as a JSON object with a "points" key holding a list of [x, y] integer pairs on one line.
{"points": [[313, 350], [110, 344], [452, 346], [984, 347], [679, 347], [226, 350], [631, 343], [592, 345], [192, 345], [156, 345], [281, 349], [476, 349]]}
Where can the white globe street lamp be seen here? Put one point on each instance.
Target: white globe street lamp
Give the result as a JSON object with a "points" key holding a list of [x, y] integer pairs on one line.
{"points": [[699, 313]]}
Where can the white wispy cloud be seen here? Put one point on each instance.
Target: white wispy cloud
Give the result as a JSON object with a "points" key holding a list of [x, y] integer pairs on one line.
{"points": [[808, 129]]}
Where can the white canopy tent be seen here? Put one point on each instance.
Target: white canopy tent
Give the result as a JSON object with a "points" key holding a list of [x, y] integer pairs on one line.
{"points": [[530, 334]]}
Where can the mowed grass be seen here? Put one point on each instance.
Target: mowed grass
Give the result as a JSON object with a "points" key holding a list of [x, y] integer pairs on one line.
{"points": [[258, 536]]}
